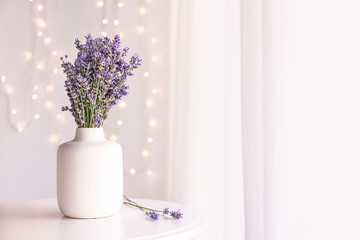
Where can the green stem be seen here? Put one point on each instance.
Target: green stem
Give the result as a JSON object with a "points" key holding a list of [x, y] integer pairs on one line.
{"points": [[127, 199], [96, 94], [141, 207], [82, 108]]}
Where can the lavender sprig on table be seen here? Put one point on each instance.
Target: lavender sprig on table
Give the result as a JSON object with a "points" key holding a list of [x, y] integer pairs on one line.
{"points": [[154, 214], [95, 82]]}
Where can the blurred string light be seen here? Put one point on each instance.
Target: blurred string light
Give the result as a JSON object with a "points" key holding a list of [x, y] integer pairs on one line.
{"points": [[122, 104], [140, 29], [40, 7], [28, 55], [41, 30], [116, 22], [38, 63], [114, 138], [149, 103], [142, 10], [100, 4]]}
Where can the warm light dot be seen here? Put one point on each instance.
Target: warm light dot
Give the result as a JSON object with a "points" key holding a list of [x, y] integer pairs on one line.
{"points": [[60, 117], [34, 97], [28, 55], [49, 88], [149, 173], [116, 22], [119, 123], [9, 89], [153, 40], [47, 40], [105, 21], [13, 111], [140, 29], [103, 34], [122, 104], [150, 140], [36, 87], [142, 10], [40, 66], [55, 70], [54, 53], [53, 138], [20, 128], [39, 33], [100, 4], [152, 123], [31, 0], [49, 105], [145, 153], [41, 23], [40, 7], [149, 103], [122, 36], [146, 74], [113, 138], [154, 59], [132, 171], [154, 91], [120, 4], [36, 116], [3, 78]]}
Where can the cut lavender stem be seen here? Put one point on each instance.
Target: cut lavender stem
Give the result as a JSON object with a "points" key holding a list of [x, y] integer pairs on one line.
{"points": [[153, 213]]}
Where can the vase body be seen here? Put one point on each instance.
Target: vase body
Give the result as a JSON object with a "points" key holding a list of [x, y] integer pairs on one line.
{"points": [[89, 175]]}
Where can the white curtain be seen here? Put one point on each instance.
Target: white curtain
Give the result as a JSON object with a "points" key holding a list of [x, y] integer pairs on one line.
{"points": [[206, 142], [300, 75]]}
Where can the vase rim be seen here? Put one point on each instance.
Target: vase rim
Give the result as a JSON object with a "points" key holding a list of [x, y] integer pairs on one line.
{"points": [[89, 134]]}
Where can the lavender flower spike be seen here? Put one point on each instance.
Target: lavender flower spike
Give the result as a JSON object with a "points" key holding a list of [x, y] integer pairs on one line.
{"points": [[176, 214], [153, 215], [166, 210]]}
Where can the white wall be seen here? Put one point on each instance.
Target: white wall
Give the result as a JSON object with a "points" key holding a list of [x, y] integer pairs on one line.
{"points": [[28, 158]]}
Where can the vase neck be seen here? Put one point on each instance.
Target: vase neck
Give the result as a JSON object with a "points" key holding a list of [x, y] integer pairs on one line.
{"points": [[89, 134]]}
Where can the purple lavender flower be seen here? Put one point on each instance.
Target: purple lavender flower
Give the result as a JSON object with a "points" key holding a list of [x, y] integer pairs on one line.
{"points": [[66, 108], [166, 210], [176, 214], [96, 80], [153, 215]]}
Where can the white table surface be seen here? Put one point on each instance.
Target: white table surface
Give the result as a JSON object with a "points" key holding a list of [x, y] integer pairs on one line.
{"points": [[41, 219]]}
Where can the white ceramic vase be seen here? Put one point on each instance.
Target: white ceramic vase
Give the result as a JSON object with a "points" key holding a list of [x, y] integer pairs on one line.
{"points": [[89, 175]]}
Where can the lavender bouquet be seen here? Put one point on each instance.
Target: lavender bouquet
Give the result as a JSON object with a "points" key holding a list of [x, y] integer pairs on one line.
{"points": [[95, 82]]}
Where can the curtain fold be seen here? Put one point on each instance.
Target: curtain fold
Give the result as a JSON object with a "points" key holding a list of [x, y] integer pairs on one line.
{"points": [[205, 116]]}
